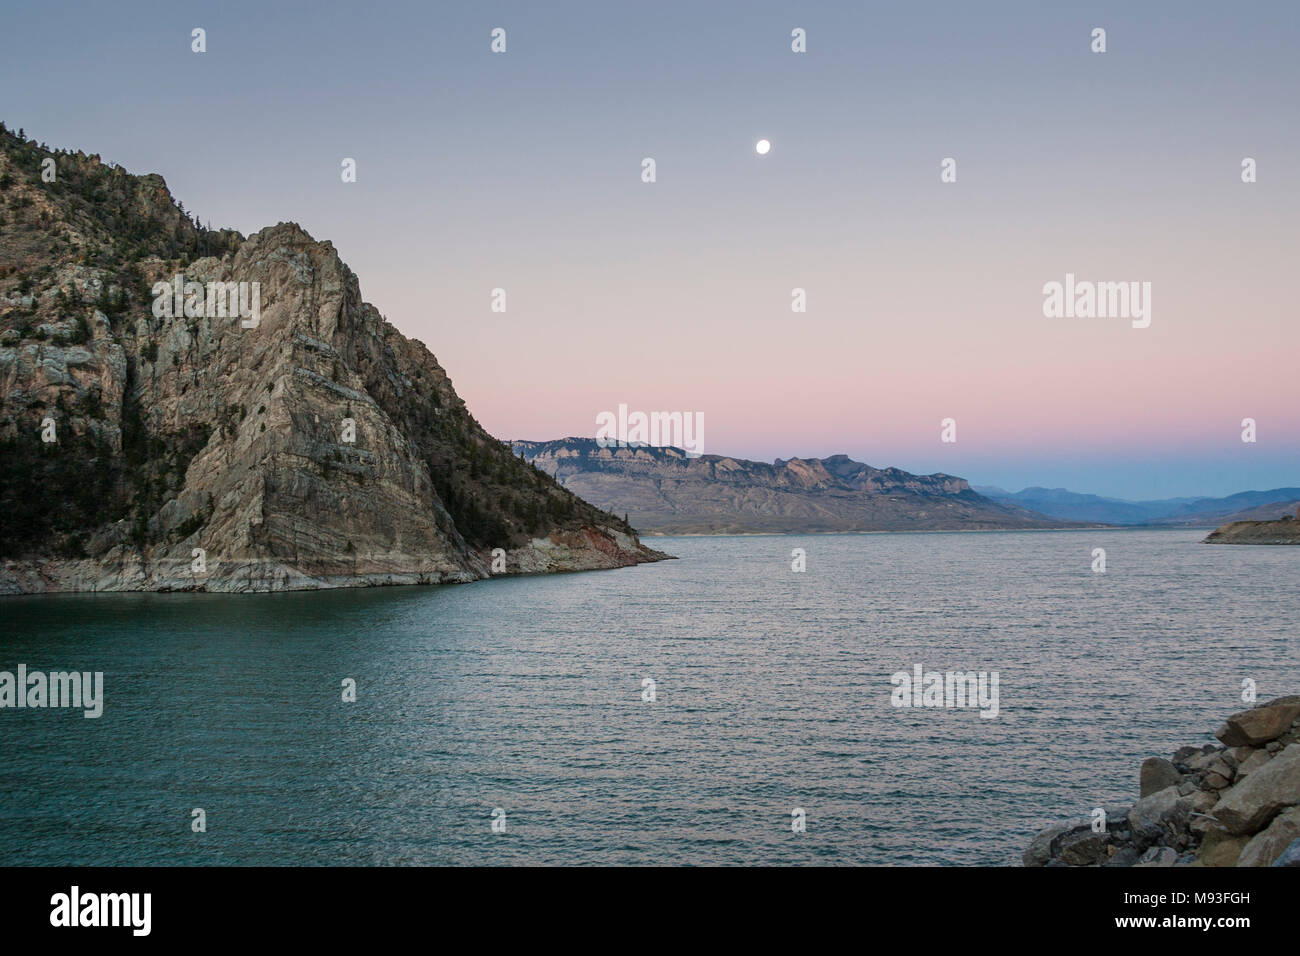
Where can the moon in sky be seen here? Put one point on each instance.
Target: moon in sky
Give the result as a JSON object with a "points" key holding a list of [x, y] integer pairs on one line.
{"points": [[762, 146]]}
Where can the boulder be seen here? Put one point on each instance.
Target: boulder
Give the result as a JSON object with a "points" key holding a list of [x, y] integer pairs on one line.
{"points": [[1240, 755], [1203, 760], [1260, 724], [1267, 845], [1124, 856], [1199, 805], [1039, 851], [1158, 856], [1220, 848], [1157, 816], [1199, 801], [1224, 766], [1084, 849], [1252, 763], [1290, 856], [1156, 774], [1117, 819], [1215, 781], [1252, 804]]}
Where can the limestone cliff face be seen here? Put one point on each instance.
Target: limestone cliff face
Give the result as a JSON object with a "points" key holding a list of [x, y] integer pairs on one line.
{"points": [[664, 490], [320, 448]]}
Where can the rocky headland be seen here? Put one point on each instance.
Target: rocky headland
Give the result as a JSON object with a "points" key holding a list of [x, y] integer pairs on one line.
{"points": [[1285, 530], [1236, 803], [311, 445]]}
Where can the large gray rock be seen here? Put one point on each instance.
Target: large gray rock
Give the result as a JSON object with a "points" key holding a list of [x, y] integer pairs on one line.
{"points": [[1085, 849], [1200, 806], [1269, 844], [1157, 817], [1039, 850], [1156, 774], [1158, 856], [1260, 724], [1124, 856], [1215, 781], [1252, 763], [1224, 766], [1204, 759], [1252, 804]]}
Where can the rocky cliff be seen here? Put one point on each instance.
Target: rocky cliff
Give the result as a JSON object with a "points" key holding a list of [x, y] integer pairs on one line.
{"points": [[663, 490], [308, 445], [1236, 803]]}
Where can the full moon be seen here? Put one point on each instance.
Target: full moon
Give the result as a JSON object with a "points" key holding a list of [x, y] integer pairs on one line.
{"points": [[762, 146]]}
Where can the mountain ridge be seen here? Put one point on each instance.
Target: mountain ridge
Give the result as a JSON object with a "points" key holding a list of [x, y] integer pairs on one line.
{"points": [[1197, 511], [314, 447], [666, 491]]}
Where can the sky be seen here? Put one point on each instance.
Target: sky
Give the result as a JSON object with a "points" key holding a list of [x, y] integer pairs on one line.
{"points": [[522, 171]]}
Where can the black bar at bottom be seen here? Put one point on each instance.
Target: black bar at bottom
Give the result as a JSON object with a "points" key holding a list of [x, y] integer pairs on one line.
{"points": [[337, 904]]}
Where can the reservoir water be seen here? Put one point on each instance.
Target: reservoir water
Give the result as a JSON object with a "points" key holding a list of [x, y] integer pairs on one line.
{"points": [[772, 692]]}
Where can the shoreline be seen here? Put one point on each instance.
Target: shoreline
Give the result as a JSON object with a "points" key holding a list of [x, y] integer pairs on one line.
{"points": [[561, 552], [1236, 803], [790, 534]]}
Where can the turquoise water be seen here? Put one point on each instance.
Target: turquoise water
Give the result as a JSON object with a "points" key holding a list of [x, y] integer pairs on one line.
{"points": [[525, 694]]}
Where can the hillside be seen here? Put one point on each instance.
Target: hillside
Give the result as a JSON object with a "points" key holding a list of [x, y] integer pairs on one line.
{"points": [[1188, 512], [662, 490], [308, 445], [1285, 530], [1271, 510]]}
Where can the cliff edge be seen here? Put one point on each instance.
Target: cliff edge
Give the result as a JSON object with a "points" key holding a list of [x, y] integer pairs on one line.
{"points": [[280, 434]]}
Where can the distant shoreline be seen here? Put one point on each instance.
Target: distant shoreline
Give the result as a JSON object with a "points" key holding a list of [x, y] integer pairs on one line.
{"points": [[786, 534]]}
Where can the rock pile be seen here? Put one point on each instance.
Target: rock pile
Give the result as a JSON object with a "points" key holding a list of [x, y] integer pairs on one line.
{"points": [[1233, 804]]}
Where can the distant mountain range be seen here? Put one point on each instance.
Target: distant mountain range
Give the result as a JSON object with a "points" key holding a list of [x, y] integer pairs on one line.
{"points": [[663, 490], [1060, 503]]}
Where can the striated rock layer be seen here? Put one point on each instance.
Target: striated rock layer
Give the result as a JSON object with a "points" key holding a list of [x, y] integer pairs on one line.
{"points": [[320, 448], [663, 490]]}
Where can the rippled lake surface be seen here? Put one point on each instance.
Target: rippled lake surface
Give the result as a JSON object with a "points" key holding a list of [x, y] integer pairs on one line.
{"points": [[772, 692]]}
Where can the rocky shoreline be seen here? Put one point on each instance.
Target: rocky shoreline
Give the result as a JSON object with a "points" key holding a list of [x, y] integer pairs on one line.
{"points": [[585, 549], [1236, 803], [1286, 530]]}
